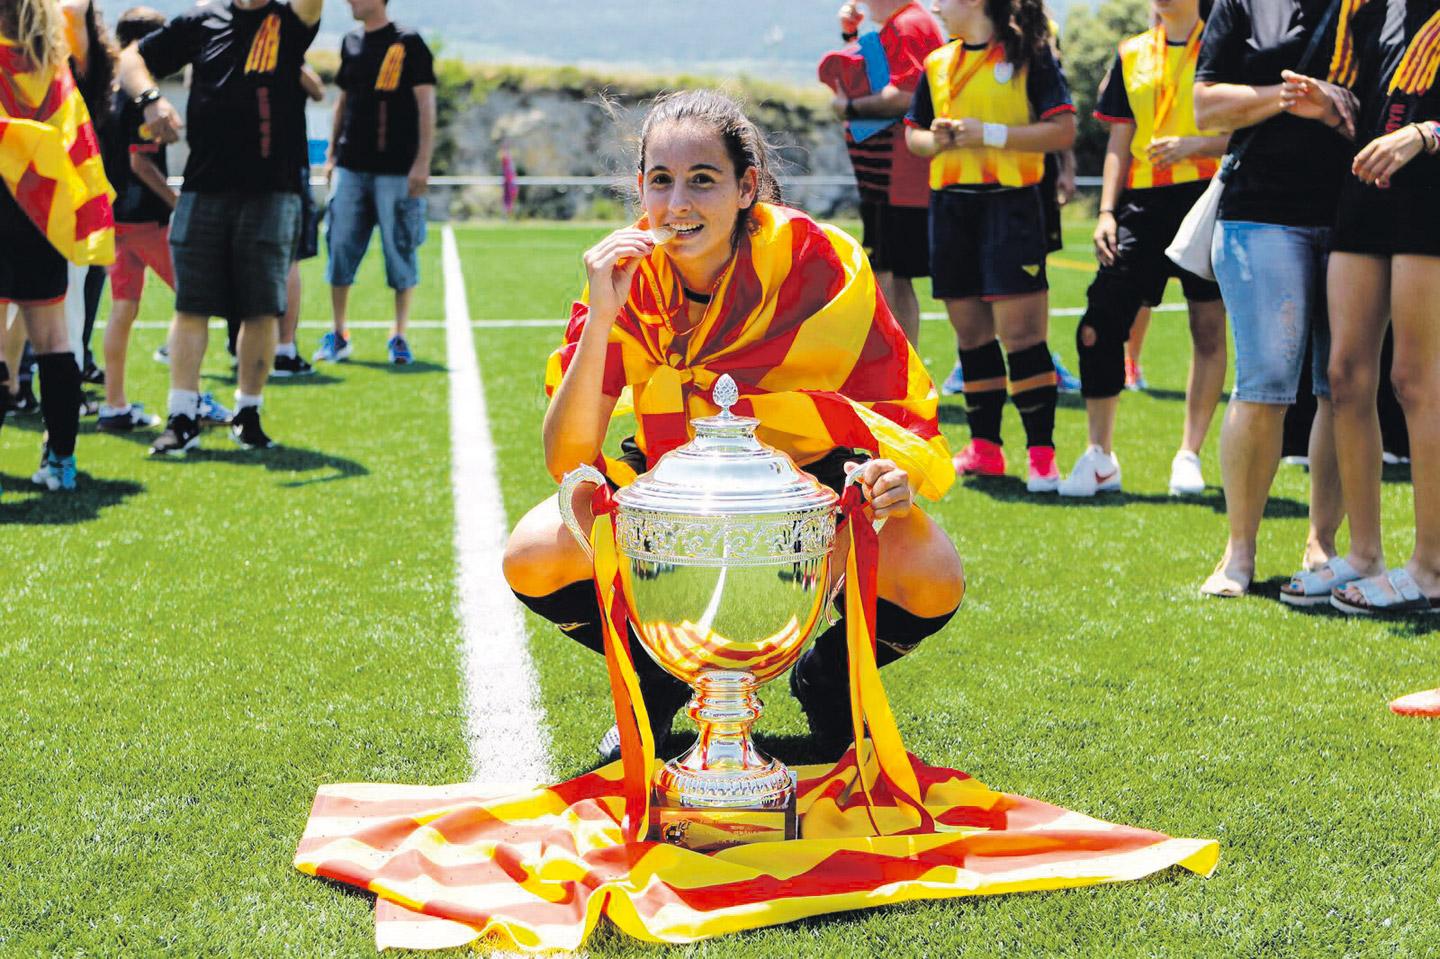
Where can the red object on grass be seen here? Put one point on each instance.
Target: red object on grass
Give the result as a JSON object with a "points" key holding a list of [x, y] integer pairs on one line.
{"points": [[1426, 704]]}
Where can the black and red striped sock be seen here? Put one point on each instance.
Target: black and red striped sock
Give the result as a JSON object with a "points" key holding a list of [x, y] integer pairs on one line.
{"points": [[1034, 392], [984, 370]]}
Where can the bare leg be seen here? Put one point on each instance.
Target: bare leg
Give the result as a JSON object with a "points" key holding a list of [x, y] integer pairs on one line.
{"points": [[1249, 455], [290, 322], [255, 350], [1327, 506], [1100, 414], [972, 321], [1359, 291], [47, 329], [189, 335], [1416, 285], [899, 293], [1208, 359], [117, 345], [340, 307], [1023, 321], [1136, 343], [14, 348], [404, 299]]}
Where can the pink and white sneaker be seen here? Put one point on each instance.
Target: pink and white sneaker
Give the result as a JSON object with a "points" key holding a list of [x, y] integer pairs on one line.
{"points": [[980, 458], [1044, 474]]}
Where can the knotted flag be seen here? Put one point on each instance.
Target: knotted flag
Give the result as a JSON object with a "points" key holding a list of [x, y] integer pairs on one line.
{"points": [[50, 159], [796, 319]]}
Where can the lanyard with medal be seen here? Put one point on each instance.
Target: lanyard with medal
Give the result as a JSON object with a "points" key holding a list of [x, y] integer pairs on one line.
{"points": [[961, 80], [1166, 96]]}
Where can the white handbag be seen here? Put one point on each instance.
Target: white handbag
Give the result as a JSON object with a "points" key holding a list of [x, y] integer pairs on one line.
{"points": [[1190, 250]]}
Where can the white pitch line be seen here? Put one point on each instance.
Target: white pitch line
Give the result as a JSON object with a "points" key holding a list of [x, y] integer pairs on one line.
{"points": [[508, 742]]}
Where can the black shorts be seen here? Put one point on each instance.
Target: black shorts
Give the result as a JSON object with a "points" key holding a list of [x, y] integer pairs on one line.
{"points": [[897, 238], [1401, 220], [988, 243], [32, 271], [1146, 222], [1050, 201], [828, 469]]}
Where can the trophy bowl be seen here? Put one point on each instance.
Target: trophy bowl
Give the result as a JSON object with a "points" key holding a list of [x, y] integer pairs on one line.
{"points": [[725, 557]]}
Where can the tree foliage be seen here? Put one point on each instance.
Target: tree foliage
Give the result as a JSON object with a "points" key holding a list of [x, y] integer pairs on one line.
{"points": [[1091, 37]]}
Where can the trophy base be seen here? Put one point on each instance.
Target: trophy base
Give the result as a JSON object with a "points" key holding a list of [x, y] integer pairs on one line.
{"points": [[710, 828]]}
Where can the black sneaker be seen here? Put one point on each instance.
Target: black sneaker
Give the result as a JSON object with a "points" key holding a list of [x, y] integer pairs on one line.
{"points": [[24, 402], [826, 709], [291, 366], [132, 417], [182, 434], [89, 404], [93, 375], [245, 429]]}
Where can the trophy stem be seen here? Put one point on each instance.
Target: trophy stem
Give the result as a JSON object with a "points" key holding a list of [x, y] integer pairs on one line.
{"points": [[724, 767]]}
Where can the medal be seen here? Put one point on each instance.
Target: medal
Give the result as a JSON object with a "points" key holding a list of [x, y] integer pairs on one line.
{"points": [[1004, 72]]}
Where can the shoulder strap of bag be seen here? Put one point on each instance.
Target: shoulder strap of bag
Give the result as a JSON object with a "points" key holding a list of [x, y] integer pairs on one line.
{"points": [[1232, 159]]}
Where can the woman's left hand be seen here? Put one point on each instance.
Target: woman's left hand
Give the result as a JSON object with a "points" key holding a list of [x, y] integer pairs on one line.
{"points": [[1383, 157], [886, 487], [1312, 99], [1166, 151]]}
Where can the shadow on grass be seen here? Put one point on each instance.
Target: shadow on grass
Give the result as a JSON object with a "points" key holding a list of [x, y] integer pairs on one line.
{"points": [[61, 509], [310, 379], [288, 459], [418, 367], [1011, 489]]}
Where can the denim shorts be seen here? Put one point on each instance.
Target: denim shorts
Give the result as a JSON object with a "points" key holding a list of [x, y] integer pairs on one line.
{"points": [[232, 252], [1273, 281], [359, 202]]}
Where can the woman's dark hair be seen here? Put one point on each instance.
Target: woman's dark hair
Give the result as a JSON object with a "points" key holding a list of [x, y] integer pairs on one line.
{"points": [[742, 138], [136, 24], [98, 79], [1021, 26]]}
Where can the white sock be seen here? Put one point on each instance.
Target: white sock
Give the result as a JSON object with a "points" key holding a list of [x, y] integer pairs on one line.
{"points": [[185, 403], [245, 401], [285, 349]]}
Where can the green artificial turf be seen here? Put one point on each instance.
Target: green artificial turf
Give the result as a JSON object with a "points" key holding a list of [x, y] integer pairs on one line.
{"points": [[189, 649]]}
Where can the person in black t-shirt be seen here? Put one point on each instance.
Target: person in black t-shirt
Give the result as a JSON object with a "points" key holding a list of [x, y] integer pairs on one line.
{"points": [[1270, 247], [238, 219], [380, 157]]}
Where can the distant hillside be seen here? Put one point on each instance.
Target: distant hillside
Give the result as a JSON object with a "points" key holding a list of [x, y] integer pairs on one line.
{"points": [[779, 39]]}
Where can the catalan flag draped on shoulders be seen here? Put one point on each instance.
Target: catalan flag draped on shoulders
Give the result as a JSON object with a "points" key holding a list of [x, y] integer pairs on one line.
{"points": [[797, 321], [50, 159]]}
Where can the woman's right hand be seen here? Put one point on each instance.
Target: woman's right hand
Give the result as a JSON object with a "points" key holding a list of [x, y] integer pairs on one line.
{"points": [[1312, 99], [610, 267], [1107, 243]]}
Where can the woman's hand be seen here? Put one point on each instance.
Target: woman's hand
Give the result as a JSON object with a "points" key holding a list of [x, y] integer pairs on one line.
{"points": [[1107, 244], [957, 134], [1383, 157], [1312, 99], [1165, 151], [886, 487], [610, 267]]}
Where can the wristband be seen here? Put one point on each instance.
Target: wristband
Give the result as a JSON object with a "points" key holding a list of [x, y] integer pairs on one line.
{"points": [[1434, 145], [995, 135], [849, 37], [1106, 209], [147, 98], [850, 111]]}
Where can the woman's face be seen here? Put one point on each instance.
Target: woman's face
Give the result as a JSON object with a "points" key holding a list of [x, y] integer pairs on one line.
{"points": [[689, 184], [1182, 8], [954, 14]]}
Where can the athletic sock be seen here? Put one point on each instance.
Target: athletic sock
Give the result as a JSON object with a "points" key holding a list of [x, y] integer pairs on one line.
{"points": [[185, 403], [1033, 391], [60, 400], [244, 401], [286, 350], [984, 390], [4, 391]]}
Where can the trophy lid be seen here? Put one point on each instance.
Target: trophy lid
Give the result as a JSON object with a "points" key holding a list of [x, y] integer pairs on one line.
{"points": [[726, 470]]}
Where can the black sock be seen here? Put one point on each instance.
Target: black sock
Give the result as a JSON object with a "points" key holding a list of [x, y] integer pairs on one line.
{"points": [[898, 632], [60, 400], [1034, 393], [4, 391], [984, 370]]}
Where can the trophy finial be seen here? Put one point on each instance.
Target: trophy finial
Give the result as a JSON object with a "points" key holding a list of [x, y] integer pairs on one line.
{"points": [[726, 394]]}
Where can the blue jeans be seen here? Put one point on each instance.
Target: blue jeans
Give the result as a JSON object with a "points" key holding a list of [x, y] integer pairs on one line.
{"points": [[1273, 281], [358, 203]]}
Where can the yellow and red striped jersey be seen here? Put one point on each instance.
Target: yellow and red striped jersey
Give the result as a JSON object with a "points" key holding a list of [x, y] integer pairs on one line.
{"points": [[797, 321]]}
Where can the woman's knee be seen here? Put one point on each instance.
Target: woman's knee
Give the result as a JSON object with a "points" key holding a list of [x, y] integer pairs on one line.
{"points": [[930, 581], [1207, 328], [1415, 382], [540, 555]]}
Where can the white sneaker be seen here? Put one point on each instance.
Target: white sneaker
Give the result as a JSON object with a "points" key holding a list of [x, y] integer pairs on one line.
{"points": [[1095, 472], [1185, 476]]}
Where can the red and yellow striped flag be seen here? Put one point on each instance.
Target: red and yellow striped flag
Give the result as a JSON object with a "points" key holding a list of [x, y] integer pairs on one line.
{"points": [[798, 322], [1416, 73], [50, 159], [1344, 62], [392, 69], [535, 869]]}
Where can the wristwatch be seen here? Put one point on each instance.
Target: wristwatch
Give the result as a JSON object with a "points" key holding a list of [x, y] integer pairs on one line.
{"points": [[147, 98]]}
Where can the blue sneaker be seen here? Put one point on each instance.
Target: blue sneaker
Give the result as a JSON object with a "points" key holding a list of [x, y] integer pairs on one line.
{"points": [[399, 351], [212, 413], [334, 348], [954, 384], [56, 473], [1069, 382]]}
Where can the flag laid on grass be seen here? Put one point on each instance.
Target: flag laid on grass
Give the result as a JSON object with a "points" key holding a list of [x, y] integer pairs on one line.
{"points": [[50, 159], [537, 869], [797, 321]]}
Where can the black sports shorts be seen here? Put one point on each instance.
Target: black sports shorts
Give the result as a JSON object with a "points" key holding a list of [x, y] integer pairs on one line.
{"points": [[32, 271], [987, 243], [1146, 222], [896, 238], [1401, 220]]}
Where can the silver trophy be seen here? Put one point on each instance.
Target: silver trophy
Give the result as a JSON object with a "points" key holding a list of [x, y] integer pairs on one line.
{"points": [[725, 558]]}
